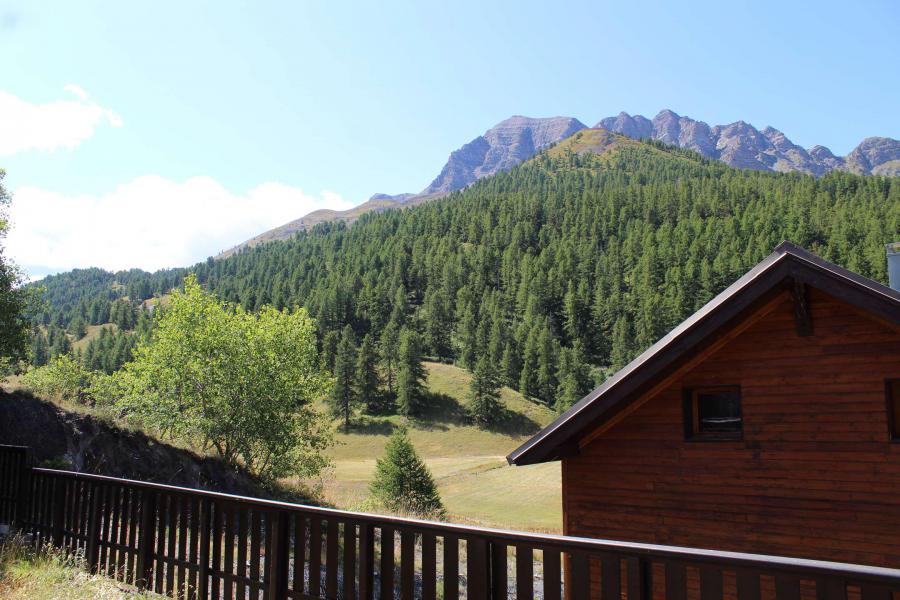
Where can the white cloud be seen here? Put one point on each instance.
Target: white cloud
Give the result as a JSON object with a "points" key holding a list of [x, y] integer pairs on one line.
{"points": [[148, 223], [53, 125]]}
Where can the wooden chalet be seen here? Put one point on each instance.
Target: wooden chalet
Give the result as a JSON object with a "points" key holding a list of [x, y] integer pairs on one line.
{"points": [[767, 422]]}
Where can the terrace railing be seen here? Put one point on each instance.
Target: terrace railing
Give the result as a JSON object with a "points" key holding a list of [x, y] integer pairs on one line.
{"points": [[199, 544]]}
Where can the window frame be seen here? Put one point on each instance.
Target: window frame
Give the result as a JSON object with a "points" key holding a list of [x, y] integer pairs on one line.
{"points": [[890, 401], [691, 415]]}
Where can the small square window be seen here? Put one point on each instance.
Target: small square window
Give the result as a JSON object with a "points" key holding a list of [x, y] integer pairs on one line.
{"points": [[713, 413], [892, 390]]}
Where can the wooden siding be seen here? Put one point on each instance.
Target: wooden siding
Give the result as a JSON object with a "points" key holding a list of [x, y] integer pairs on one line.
{"points": [[814, 476]]}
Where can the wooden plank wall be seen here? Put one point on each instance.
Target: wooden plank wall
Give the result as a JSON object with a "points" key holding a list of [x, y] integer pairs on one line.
{"points": [[815, 475]]}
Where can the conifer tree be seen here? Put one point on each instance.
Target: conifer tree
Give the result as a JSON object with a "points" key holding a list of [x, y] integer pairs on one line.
{"points": [[410, 374], [438, 324], [528, 383], [79, 329], [496, 345], [400, 308], [466, 330], [389, 350], [510, 366], [548, 349], [343, 394], [484, 393], [367, 380], [621, 343], [403, 482], [40, 349], [330, 342], [60, 343], [574, 377]]}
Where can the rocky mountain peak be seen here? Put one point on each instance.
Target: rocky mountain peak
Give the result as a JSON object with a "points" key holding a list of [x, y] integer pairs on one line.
{"points": [[636, 127], [821, 153], [876, 155], [502, 147], [740, 144]]}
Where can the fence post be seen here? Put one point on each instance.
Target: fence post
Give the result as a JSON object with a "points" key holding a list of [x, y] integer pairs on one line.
{"points": [[366, 561], [478, 568], [93, 530], [639, 579], [59, 507], [147, 534], [205, 508], [278, 566]]}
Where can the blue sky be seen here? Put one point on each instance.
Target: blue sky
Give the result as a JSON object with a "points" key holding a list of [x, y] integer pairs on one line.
{"points": [[169, 131]]}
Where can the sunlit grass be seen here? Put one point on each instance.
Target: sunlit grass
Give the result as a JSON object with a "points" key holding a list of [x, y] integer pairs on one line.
{"points": [[52, 574]]}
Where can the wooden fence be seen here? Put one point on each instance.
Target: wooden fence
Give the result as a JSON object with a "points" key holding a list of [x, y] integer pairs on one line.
{"points": [[196, 544]]}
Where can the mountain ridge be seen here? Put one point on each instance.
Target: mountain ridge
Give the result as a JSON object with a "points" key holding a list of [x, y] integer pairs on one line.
{"points": [[743, 146], [518, 138]]}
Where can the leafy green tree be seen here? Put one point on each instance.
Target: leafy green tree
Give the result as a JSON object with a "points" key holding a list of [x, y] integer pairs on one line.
{"points": [[62, 378], [241, 384], [484, 393], [367, 381], [411, 374], [402, 481], [343, 394], [14, 299]]}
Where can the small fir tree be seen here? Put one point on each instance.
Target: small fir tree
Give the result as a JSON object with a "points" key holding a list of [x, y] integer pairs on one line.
{"points": [[403, 482], [484, 393]]}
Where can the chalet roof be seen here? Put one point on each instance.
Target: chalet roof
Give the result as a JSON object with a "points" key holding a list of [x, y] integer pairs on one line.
{"points": [[788, 267]]}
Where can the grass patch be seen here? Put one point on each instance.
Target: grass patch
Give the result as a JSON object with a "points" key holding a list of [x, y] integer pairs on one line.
{"points": [[91, 332], [52, 574]]}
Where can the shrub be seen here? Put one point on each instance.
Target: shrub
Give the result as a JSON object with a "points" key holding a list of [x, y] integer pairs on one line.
{"points": [[63, 378]]}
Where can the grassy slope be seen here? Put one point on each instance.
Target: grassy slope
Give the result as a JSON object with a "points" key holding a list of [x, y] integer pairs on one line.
{"points": [[93, 331], [475, 482]]}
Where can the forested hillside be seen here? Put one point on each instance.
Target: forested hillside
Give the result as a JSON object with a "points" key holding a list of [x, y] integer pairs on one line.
{"points": [[554, 272]]}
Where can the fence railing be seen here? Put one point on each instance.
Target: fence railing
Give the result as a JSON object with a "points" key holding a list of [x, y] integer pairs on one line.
{"points": [[15, 461], [199, 544]]}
